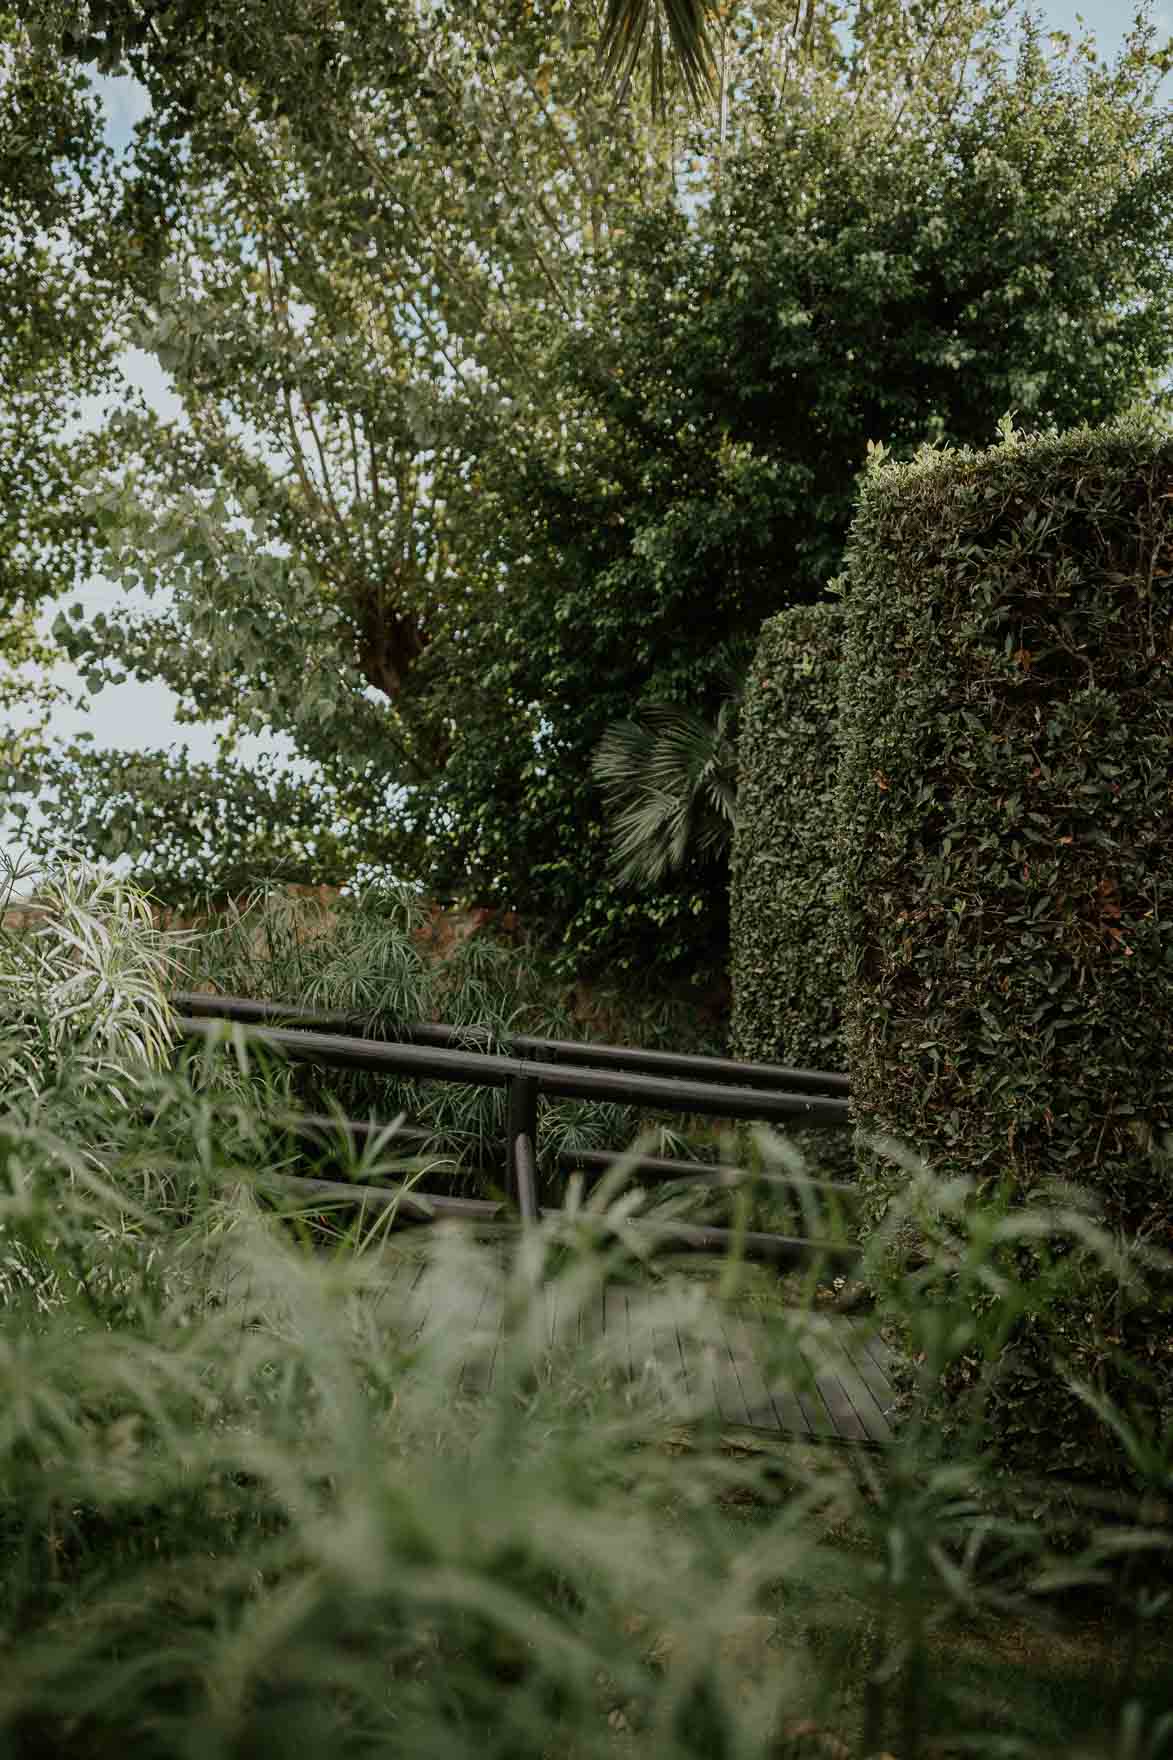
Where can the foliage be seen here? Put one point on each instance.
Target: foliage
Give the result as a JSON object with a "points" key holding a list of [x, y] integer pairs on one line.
{"points": [[685, 23], [58, 282], [371, 965], [244, 1511], [559, 427], [207, 830], [364, 329], [92, 968], [787, 964], [841, 285], [788, 961], [672, 781], [1004, 813], [428, 302]]}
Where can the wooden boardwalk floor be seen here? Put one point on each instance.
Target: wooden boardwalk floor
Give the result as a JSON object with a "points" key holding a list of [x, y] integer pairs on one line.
{"points": [[730, 1365]]}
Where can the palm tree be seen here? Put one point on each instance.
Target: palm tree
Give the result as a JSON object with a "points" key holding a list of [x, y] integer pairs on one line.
{"points": [[684, 22], [671, 784]]}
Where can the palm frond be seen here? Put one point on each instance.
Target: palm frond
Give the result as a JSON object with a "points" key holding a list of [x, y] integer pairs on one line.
{"points": [[685, 22], [669, 783]]}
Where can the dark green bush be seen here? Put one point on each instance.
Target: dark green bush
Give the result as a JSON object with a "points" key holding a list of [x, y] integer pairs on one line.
{"points": [[786, 959], [1006, 722]]}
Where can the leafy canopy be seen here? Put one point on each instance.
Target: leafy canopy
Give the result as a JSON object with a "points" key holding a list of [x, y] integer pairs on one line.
{"points": [[511, 413]]}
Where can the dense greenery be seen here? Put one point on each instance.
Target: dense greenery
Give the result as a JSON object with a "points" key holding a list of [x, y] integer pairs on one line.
{"points": [[670, 783], [787, 962], [60, 273], [1004, 817], [512, 416], [373, 965], [244, 1512], [725, 408], [558, 429]]}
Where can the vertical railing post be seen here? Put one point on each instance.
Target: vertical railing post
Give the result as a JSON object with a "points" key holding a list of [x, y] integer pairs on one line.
{"points": [[523, 1140]]}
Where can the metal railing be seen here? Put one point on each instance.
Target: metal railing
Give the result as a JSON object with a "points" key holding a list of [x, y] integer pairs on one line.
{"points": [[537, 1068]]}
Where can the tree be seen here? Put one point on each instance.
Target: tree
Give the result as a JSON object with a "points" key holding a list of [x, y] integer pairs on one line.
{"points": [[656, 775], [429, 284], [617, 419], [722, 408], [58, 280]]}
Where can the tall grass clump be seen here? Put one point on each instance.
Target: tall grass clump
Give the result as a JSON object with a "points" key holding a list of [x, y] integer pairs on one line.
{"points": [[247, 1509], [369, 962]]}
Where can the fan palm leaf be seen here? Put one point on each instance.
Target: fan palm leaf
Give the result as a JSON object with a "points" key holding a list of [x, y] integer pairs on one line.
{"points": [[670, 783]]}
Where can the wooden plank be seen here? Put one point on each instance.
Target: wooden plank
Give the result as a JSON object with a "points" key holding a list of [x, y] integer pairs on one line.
{"points": [[761, 1409], [702, 1388], [877, 1386], [829, 1365], [407, 1274], [772, 1405], [805, 1391], [472, 1377], [697, 1380], [643, 1345], [495, 1353], [721, 1371], [871, 1341], [730, 1386], [815, 1414], [792, 1408], [592, 1318], [666, 1344], [392, 1280], [418, 1301], [729, 1372], [617, 1327], [551, 1294]]}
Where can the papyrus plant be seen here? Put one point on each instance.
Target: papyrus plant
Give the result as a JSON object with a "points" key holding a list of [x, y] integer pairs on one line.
{"points": [[98, 969]]}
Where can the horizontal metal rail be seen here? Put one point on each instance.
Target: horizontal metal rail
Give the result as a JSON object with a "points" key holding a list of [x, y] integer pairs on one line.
{"points": [[318, 1128], [413, 1206], [425, 1063], [687, 1236], [702, 1172], [629, 1059], [573, 1072]]}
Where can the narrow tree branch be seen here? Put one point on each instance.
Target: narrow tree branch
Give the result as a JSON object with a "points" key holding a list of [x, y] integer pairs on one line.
{"points": [[334, 507]]}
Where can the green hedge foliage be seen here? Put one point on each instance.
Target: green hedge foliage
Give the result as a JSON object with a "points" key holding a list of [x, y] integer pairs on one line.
{"points": [[1006, 812], [786, 961]]}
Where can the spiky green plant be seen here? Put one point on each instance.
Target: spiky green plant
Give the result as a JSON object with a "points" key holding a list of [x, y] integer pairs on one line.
{"points": [[670, 782], [370, 964], [245, 1509]]}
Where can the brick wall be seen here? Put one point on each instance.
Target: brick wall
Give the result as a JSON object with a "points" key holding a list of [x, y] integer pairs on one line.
{"points": [[442, 931]]}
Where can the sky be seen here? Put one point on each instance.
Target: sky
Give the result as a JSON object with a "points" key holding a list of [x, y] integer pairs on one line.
{"points": [[141, 716]]}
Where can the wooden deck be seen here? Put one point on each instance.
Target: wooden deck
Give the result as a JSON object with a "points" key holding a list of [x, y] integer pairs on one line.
{"points": [[718, 1363]]}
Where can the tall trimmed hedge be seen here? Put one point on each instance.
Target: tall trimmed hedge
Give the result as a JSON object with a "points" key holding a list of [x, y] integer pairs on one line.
{"points": [[786, 964], [1005, 798]]}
